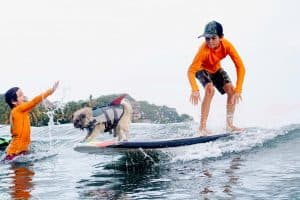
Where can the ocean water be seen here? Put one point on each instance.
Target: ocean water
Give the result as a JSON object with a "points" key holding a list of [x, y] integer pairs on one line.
{"points": [[258, 164]]}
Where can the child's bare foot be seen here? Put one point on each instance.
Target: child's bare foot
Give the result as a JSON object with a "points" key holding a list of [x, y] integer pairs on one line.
{"points": [[204, 132], [234, 129]]}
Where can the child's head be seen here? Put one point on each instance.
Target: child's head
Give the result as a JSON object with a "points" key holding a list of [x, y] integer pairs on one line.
{"points": [[213, 33], [14, 96]]}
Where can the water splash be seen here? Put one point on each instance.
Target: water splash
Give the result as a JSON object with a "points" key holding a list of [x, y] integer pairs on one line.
{"points": [[50, 114], [146, 155], [29, 158], [253, 138], [51, 109]]}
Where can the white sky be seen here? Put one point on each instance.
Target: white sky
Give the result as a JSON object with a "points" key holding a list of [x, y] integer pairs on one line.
{"points": [[144, 48]]}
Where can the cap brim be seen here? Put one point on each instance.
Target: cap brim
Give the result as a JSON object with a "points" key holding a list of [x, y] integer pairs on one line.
{"points": [[206, 35]]}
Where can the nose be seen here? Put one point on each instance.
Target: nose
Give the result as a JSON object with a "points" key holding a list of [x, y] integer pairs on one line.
{"points": [[76, 123]]}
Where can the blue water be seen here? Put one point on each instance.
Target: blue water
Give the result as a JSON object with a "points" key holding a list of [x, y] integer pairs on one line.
{"points": [[259, 164]]}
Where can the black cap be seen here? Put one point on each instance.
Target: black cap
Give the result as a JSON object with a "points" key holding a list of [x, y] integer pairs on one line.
{"points": [[211, 29]]}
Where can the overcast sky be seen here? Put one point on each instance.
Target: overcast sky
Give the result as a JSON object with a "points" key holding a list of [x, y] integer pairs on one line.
{"points": [[144, 48]]}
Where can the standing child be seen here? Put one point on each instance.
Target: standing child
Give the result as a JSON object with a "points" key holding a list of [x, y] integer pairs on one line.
{"points": [[206, 67], [19, 119]]}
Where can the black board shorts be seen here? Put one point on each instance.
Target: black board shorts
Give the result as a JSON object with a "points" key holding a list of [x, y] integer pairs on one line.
{"points": [[219, 79]]}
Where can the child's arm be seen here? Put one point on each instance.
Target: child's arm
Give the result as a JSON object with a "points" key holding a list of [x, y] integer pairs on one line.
{"points": [[240, 69], [28, 106], [194, 67]]}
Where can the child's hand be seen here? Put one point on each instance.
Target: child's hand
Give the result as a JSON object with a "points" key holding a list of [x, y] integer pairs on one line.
{"points": [[195, 98], [55, 86], [236, 98]]}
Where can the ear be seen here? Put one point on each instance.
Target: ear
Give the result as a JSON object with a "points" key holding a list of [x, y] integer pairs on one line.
{"points": [[15, 103]]}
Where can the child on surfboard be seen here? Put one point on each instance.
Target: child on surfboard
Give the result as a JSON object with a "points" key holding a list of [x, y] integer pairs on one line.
{"points": [[206, 67], [19, 119]]}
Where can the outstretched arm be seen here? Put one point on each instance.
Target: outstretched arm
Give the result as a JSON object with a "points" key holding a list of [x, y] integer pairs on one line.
{"points": [[26, 107]]}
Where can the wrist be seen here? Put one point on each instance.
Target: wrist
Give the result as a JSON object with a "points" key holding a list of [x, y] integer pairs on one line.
{"points": [[51, 90], [238, 91]]}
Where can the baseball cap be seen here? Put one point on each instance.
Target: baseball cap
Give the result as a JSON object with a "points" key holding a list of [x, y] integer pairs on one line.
{"points": [[211, 29]]}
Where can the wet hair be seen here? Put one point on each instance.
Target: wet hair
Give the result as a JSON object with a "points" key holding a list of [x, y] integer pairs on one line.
{"points": [[11, 95]]}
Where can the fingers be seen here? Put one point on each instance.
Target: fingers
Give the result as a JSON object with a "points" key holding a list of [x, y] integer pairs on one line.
{"points": [[191, 99], [195, 98], [233, 99], [238, 98], [55, 86]]}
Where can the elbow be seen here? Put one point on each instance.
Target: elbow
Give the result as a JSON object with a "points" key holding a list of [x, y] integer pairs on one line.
{"points": [[191, 72]]}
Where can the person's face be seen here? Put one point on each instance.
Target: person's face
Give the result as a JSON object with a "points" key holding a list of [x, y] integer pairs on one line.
{"points": [[213, 42], [20, 97]]}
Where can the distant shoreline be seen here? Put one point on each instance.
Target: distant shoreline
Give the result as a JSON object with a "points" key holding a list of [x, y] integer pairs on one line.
{"points": [[143, 111]]}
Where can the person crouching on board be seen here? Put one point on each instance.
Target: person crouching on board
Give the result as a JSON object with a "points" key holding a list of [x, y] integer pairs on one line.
{"points": [[19, 119], [206, 67]]}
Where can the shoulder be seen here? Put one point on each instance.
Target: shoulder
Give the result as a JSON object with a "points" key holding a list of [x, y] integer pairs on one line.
{"points": [[226, 42], [203, 46], [13, 110], [227, 45], [203, 49], [16, 110]]}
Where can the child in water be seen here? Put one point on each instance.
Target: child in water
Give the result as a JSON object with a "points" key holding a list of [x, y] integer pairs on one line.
{"points": [[19, 119]]}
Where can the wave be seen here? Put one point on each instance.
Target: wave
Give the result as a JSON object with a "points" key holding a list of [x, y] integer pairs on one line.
{"points": [[64, 137], [251, 140]]}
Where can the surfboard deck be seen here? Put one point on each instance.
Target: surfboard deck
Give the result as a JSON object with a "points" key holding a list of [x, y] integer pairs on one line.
{"points": [[110, 145]]}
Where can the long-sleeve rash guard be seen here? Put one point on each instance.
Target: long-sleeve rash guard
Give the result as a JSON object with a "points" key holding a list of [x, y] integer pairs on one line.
{"points": [[20, 124], [209, 60]]}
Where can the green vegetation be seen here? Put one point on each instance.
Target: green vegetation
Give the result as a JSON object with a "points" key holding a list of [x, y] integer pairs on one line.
{"points": [[142, 111], [4, 110], [160, 114]]}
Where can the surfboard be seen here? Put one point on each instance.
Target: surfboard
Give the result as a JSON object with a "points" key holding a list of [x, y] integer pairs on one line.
{"points": [[110, 145], [4, 143]]}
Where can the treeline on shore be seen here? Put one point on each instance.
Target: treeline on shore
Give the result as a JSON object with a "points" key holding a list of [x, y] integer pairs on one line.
{"points": [[61, 114]]}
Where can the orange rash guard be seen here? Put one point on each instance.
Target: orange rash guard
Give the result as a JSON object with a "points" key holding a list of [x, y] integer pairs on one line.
{"points": [[209, 60], [20, 124]]}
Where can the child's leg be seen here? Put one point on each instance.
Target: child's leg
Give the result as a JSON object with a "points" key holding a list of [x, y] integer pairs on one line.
{"points": [[205, 107], [229, 89]]}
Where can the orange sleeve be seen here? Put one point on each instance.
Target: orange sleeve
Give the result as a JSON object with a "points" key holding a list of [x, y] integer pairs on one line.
{"points": [[194, 67], [28, 106], [240, 68]]}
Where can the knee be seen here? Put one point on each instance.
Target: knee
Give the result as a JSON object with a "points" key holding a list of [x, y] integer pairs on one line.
{"points": [[229, 90], [209, 90]]}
